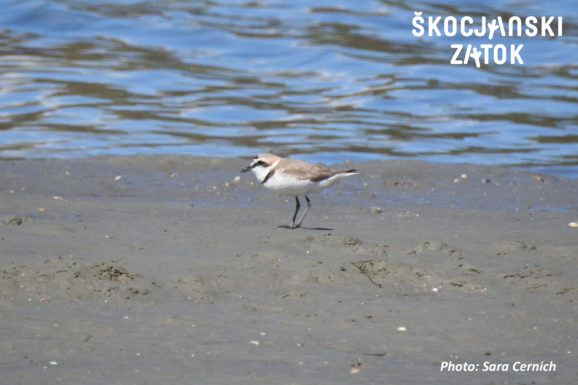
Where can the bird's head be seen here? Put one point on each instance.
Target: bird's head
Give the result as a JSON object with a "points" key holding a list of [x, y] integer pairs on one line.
{"points": [[261, 163]]}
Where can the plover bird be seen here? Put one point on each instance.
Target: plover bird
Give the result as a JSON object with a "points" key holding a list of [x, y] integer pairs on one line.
{"points": [[294, 177]]}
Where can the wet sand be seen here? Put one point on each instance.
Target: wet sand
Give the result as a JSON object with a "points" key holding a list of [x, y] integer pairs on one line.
{"points": [[168, 269]]}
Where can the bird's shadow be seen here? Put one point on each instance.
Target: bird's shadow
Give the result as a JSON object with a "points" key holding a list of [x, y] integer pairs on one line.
{"points": [[305, 228]]}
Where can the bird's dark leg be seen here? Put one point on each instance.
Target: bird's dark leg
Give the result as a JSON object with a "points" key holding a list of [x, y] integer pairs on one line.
{"points": [[297, 206], [304, 212]]}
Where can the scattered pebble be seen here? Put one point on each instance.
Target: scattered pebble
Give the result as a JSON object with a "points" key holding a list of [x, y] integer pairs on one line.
{"points": [[573, 224], [462, 177], [376, 210], [401, 329], [118, 177], [237, 179], [354, 370], [57, 198], [253, 342]]}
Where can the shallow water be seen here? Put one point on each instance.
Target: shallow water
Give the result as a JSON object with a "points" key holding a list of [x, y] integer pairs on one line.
{"points": [[321, 80]]}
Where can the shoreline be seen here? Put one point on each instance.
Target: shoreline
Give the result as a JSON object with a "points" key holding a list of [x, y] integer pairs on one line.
{"points": [[139, 269]]}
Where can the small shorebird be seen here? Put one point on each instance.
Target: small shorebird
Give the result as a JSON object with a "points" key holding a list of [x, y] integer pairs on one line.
{"points": [[294, 177]]}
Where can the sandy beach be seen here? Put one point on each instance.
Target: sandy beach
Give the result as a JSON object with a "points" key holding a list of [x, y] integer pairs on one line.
{"points": [[172, 270]]}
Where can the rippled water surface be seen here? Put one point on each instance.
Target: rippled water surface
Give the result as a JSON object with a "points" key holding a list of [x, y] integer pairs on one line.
{"points": [[321, 80]]}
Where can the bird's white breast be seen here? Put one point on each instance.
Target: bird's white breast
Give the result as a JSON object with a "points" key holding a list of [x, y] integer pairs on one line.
{"points": [[288, 184]]}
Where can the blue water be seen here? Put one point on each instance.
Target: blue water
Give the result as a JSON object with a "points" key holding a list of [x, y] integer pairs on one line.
{"points": [[318, 80]]}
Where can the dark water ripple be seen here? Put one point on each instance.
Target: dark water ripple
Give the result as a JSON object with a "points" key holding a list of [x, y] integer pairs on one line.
{"points": [[322, 80]]}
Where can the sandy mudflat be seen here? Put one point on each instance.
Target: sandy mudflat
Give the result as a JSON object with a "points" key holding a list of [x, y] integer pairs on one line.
{"points": [[164, 270]]}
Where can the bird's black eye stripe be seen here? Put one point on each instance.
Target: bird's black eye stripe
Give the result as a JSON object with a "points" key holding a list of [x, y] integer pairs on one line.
{"points": [[259, 163], [256, 162]]}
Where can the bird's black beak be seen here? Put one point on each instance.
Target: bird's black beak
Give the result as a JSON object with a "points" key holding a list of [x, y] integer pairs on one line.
{"points": [[248, 168]]}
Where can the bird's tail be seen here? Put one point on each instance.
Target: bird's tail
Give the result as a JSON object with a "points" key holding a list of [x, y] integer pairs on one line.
{"points": [[338, 174], [350, 171]]}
